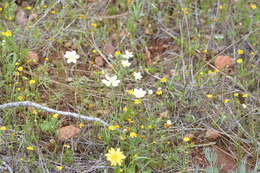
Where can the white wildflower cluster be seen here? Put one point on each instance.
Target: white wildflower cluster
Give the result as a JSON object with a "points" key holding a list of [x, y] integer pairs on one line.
{"points": [[71, 56], [125, 62]]}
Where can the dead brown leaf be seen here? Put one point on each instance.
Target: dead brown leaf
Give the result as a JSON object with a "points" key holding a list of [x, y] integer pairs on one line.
{"points": [[21, 17], [99, 61], [224, 160], [223, 61], [67, 132], [212, 134], [109, 48]]}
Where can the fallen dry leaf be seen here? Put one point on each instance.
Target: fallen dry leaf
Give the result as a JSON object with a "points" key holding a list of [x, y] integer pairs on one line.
{"points": [[109, 48], [99, 61], [224, 160], [32, 58], [67, 132], [223, 61], [21, 17], [212, 134]]}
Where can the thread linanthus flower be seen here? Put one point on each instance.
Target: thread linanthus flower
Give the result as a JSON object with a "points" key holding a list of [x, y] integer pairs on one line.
{"points": [[71, 56], [111, 81]]}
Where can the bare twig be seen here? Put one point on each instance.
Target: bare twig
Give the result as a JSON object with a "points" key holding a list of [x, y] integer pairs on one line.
{"points": [[38, 106]]}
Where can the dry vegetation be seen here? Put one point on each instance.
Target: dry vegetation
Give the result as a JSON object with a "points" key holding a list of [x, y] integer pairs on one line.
{"points": [[177, 81]]}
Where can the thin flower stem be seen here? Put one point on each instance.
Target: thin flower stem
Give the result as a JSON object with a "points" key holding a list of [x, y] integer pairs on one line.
{"points": [[38, 106]]}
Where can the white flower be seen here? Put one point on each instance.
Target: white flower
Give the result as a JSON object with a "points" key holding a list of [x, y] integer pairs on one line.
{"points": [[125, 63], [150, 92], [139, 93], [169, 122], [111, 81], [127, 55], [137, 75], [71, 56]]}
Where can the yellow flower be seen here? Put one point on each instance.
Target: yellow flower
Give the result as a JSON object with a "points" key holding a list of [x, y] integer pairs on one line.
{"points": [[31, 82], [1, 9], [20, 68], [46, 59], [94, 25], [45, 6], [7, 33], [55, 115], [221, 7], [210, 96], [3, 128], [205, 51], [226, 100], [253, 6], [133, 135], [113, 127], [34, 112], [130, 120], [236, 94], [30, 148], [81, 125], [239, 60], [185, 11], [211, 72], [186, 139], [66, 146], [10, 18], [81, 16], [94, 51], [59, 168], [125, 109], [20, 98], [142, 126], [28, 7], [115, 156], [159, 91], [137, 101], [240, 52], [117, 53], [202, 73], [252, 53], [17, 63], [130, 92], [18, 89], [163, 80], [53, 12], [245, 95]]}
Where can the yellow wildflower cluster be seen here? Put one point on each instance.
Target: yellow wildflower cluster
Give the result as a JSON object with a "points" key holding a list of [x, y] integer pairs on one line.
{"points": [[7, 33], [113, 127]]}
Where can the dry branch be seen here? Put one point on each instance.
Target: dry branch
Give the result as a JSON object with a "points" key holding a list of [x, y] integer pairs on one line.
{"points": [[38, 106]]}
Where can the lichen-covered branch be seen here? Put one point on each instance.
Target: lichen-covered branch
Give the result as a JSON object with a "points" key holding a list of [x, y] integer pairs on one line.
{"points": [[38, 106]]}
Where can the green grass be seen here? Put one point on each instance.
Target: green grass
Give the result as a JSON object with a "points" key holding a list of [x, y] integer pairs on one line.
{"points": [[178, 40]]}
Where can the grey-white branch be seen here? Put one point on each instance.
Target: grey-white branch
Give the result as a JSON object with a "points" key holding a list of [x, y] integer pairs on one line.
{"points": [[38, 106]]}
